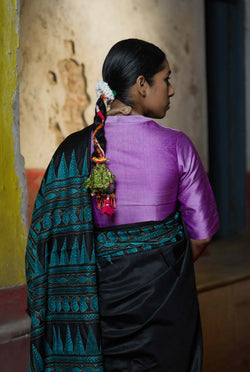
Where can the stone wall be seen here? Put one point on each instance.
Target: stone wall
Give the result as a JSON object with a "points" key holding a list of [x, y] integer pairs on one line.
{"points": [[63, 45]]}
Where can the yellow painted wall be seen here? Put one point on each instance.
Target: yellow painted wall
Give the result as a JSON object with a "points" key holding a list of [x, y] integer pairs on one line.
{"points": [[12, 230]]}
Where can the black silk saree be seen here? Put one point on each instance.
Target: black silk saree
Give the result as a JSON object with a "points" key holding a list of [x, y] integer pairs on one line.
{"points": [[114, 299], [148, 301]]}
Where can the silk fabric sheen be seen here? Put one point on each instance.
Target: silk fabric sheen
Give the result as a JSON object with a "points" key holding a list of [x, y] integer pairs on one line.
{"points": [[157, 170], [149, 309]]}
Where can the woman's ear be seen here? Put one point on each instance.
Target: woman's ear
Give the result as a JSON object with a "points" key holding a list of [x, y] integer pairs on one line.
{"points": [[141, 85]]}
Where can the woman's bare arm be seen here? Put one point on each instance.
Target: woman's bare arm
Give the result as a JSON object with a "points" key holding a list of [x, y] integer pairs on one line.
{"points": [[198, 246]]}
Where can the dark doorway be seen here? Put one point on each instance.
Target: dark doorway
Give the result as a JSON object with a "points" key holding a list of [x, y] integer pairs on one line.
{"points": [[226, 111]]}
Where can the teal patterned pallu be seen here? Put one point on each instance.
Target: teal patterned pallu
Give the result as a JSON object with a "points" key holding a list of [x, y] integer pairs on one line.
{"points": [[61, 269]]}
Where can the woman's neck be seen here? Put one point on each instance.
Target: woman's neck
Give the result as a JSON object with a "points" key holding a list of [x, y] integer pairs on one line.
{"points": [[119, 108]]}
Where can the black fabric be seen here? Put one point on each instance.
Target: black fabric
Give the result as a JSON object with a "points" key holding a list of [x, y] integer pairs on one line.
{"points": [[149, 310]]}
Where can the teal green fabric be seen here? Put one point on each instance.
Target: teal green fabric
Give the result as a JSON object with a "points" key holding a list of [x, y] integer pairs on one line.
{"points": [[129, 239], [61, 266]]}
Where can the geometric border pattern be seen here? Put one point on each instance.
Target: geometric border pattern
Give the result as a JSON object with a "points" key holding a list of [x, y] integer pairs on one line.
{"points": [[61, 266]]}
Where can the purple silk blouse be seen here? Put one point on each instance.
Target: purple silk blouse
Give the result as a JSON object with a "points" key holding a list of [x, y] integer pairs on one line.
{"points": [[157, 169]]}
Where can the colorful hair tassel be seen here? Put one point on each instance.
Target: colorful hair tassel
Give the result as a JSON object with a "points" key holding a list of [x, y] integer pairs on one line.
{"points": [[101, 180]]}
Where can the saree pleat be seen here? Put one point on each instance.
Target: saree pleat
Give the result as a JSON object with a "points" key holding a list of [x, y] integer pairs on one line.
{"points": [[148, 302]]}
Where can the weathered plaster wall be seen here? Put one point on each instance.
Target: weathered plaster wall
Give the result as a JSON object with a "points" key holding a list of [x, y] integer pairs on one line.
{"points": [[12, 180], [247, 75], [59, 37]]}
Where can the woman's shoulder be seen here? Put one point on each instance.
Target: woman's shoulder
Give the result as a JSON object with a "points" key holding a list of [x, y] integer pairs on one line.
{"points": [[74, 147], [167, 131], [75, 140], [174, 139]]}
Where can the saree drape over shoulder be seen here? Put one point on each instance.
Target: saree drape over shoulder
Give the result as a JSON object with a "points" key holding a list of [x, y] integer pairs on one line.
{"points": [[117, 298], [61, 266]]}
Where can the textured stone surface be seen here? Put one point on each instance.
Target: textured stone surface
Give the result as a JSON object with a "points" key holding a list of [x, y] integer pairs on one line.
{"points": [[56, 33]]}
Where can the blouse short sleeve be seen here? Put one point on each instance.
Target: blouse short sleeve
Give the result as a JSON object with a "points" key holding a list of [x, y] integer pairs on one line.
{"points": [[195, 194]]}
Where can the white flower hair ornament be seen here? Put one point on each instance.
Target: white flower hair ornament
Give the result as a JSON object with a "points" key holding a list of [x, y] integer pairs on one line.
{"points": [[103, 88]]}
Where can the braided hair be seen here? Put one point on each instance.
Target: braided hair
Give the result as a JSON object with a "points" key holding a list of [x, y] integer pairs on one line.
{"points": [[97, 122], [125, 61]]}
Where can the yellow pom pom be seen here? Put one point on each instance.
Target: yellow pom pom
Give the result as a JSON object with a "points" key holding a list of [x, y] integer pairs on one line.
{"points": [[99, 160]]}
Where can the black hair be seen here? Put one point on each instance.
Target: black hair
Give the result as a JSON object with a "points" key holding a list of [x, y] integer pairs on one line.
{"points": [[125, 61]]}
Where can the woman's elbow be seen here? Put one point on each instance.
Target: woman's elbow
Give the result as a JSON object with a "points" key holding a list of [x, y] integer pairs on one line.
{"points": [[206, 241], [201, 242], [198, 246]]}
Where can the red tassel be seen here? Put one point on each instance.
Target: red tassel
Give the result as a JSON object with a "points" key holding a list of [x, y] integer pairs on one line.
{"points": [[108, 210]]}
